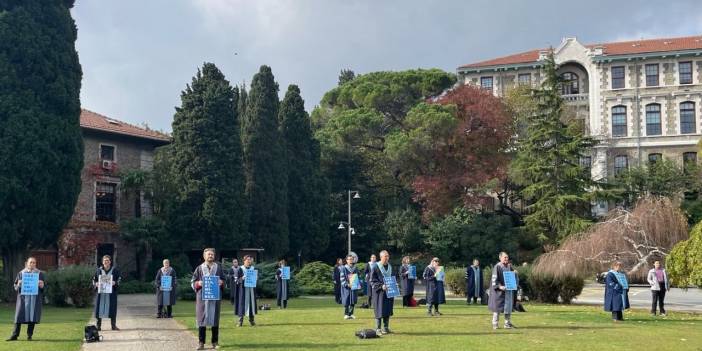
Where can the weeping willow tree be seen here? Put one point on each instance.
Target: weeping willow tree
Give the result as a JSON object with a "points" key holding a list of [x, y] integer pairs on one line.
{"points": [[636, 238]]}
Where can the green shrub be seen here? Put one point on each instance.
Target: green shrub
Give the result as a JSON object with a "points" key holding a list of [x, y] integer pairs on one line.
{"points": [[5, 288], [456, 281], [266, 281], [315, 278], [184, 290], [524, 274], [76, 282], [52, 289], [548, 288], [136, 287], [684, 263]]}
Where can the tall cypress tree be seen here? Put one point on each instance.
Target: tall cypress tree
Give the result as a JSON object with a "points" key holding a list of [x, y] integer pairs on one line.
{"points": [[306, 189], [41, 149], [265, 160], [207, 164]]}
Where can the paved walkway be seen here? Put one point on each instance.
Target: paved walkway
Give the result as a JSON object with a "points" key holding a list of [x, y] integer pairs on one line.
{"points": [[689, 300], [141, 330]]}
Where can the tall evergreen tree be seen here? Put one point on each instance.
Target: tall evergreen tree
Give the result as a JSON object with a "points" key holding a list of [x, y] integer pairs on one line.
{"points": [[265, 160], [346, 75], [41, 148], [207, 164], [557, 188], [306, 188]]}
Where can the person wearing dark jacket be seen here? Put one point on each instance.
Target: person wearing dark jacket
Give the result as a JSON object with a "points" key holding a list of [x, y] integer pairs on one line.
{"points": [[28, 307], [281, 286], [406, 282], [474, 283], [501, 300], [336, 271], [106, 302], [382, 304]]}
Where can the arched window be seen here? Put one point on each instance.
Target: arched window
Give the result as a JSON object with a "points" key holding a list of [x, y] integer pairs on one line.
{"points": [[653, 119], [687, 118], [618, 121], [570, 84]]}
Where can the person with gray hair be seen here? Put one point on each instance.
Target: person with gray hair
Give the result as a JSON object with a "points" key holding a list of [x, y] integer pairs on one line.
{"points": [[165, 298], [382, 304], [500, 300], [207, 311]]}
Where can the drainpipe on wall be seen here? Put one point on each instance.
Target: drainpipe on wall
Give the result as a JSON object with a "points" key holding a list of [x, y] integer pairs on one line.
{"points": [[637, 112]]}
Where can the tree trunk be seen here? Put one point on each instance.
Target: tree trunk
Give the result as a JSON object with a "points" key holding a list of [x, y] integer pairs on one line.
{"points": [[13, 262]]}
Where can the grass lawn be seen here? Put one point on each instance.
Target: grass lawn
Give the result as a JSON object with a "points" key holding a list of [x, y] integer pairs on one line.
{"points": [[317, 324], [61, 329]]}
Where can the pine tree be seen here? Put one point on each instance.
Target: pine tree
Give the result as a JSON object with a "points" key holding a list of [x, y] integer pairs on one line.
{"points": [[265, 161], [306, 189], [41, 148], [346, 75], [207, 168], [557, 188]]}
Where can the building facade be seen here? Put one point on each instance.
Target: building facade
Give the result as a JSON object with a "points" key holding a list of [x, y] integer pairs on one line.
{"points": [[641, 99], [111, 149]]}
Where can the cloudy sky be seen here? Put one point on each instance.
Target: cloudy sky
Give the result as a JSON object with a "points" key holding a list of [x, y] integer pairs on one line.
{"points": [[137, 55]]}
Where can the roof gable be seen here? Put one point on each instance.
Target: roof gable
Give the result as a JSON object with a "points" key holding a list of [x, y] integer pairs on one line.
{"points": [[95, 121]]}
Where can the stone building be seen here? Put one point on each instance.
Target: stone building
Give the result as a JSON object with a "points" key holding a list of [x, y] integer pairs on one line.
{"points": [[641, 99], [111, 148]]}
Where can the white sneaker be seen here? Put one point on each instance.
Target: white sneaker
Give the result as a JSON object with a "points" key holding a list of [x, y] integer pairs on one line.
{"points": [[347, 317], [352, 317]]}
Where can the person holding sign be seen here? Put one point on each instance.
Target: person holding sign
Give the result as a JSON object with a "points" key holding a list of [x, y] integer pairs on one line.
{"points": [[208, 285], [369, 271], [408, 274], [350, 285], [29, 285], [434, 280], [382, 304], [246, 280], [165, 289], [474, 282], [106, 281], [616, 298], [336, 278], [501, 299], [282, 278]]}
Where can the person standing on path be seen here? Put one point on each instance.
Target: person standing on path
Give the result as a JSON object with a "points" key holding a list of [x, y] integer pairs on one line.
{"points": [[168, 297], [106, 299], [474, 283], [382, 304], [207, 311], [28, 307], [406, 282], [616, 295], [658, 279], [500, 298]]}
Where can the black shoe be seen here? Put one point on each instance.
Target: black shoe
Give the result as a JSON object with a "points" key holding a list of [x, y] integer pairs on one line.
{"points": [[159, 316], [12, 338], [240, 324], [29, 338], [252, 323], [114, 327]]}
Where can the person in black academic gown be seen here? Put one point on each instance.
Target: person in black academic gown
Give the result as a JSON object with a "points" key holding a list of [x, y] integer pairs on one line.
{"points": [[281, 286], [207, 311], [616, 298], [336, 278], [165, 298], [435, 288], [245, 303], [474, 282], [28, 307], [382, 305], [349, 297], [232, 276], [406, 283], [369, 270], [106, 304], [501, 300]]}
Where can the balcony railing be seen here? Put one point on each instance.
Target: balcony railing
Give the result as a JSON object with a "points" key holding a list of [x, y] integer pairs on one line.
{"points": [[575, 97]]}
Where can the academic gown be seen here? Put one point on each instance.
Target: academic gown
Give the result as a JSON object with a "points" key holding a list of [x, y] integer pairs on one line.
{"points": [[281, 286], [112, 304], [473, 289], [336, 278], [232, 278], [166, 298], [241, 294], [367, 274], [406, 284], [435, 288], [496, 302], [348, 297], [28, 307], [207, 311], [382, 305], [616, 297]]}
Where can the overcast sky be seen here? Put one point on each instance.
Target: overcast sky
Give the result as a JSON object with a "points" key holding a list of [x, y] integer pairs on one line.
{"points": [[138, 55]]}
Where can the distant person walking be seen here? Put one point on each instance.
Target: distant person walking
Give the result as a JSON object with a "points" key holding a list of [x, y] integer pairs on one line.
{"points": [[658, 279]]}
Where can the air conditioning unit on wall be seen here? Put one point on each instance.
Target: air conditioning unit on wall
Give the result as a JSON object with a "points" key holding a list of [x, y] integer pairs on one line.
{"points": [[106, 164]]}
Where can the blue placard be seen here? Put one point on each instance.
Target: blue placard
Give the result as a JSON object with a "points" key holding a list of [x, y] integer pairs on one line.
{"points": [[621, 278], [285, 273], [250, 278], [354, 281], [393, 290], [412, 273], [510, 280], [30, 283], [210, 287], [166, 283]]}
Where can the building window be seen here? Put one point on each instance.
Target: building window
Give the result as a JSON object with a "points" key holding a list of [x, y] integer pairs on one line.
{"points": [[486, 83], [586, 163], [524, 79], [687, 118], [689, 160], [569, 84], [105, 200], [685, 70], [653, 119], [620, 164], [618, 77], [107, 152], [653, 158], [618, 121], [652, 75]]}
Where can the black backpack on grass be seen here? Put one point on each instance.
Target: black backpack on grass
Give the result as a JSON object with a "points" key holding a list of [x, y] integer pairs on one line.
{"points": [[92, 334], [366, 334]]}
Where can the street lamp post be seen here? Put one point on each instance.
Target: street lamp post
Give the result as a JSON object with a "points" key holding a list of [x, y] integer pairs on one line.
{"points": [[356, 195]]}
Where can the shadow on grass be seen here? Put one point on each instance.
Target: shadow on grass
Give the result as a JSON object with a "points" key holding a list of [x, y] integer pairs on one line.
{"points": [[564, 327], [453, 334], [303, 346]]}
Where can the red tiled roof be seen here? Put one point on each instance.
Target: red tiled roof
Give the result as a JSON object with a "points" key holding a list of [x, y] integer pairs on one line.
{"points": [[609, 49], [96, 121]]}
